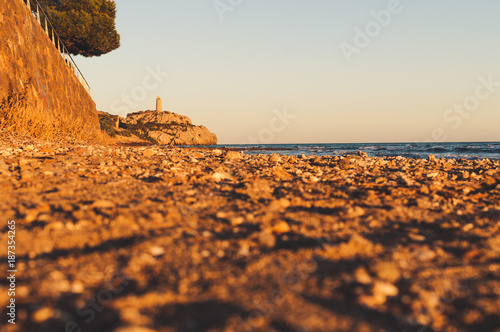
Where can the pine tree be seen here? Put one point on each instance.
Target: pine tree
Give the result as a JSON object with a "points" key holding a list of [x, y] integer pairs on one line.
{"points": [[86, 27]]}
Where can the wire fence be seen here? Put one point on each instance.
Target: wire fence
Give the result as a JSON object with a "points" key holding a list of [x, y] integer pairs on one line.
{"points": [[44, 22]]}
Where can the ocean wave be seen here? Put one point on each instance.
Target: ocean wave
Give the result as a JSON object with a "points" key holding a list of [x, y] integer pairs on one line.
{"points": [[417, 150], [437, 149]]}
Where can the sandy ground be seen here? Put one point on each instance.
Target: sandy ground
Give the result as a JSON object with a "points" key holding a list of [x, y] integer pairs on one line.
{"points": [[164, 239]]}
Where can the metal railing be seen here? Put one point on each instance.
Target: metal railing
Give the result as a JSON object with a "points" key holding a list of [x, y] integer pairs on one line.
{"points": [[44, 22]]}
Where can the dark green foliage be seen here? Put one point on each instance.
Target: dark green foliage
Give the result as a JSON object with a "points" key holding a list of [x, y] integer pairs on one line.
{"points": [[154, 126], [107, 122], [107, 127], [86, 27], [13, 99], [141, 130]]}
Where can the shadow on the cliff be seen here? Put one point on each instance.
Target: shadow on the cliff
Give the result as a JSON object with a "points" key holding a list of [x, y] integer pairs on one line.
{"points": [[197, 316]]}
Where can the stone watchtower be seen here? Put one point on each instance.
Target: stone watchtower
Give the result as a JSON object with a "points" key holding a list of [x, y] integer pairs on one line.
{"points": [[158, 105]]}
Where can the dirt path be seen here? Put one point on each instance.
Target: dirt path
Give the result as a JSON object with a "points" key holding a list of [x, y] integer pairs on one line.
{"points": [[165, 239]]}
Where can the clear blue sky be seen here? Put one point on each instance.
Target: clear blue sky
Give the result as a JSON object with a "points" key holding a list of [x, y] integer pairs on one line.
{"points": [[429, 71]]}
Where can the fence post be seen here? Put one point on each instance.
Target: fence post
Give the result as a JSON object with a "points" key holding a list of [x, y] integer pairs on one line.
{"points": [[38, 15], [29, 5]]}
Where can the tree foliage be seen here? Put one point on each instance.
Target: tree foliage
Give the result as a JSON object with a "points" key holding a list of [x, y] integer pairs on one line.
{"points": [[86, 27]]}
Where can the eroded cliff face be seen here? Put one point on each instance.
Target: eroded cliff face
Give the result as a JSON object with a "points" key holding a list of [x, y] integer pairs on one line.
{"points": [[170, 128]]}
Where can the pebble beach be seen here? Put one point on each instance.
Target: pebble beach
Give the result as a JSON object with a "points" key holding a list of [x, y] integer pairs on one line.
{"points": [[145, 238]]}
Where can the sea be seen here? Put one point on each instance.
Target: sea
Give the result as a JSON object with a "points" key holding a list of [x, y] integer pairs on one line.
{"points": [[483, 150]]}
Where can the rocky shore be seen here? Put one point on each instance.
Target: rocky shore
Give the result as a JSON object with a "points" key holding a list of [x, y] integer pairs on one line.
{"points": [[158, 127], [122, 238]]}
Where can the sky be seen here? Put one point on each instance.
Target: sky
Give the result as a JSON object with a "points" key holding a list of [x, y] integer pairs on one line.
{"points": [[315, 71]]}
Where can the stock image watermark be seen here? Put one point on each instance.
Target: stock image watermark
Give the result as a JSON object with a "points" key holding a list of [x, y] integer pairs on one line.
{"points": [[11, 271], [96, 304], [223, 7], [448, 299], [455, 116], [363, 37], [289, 280], [127, 102], [280, 120]]}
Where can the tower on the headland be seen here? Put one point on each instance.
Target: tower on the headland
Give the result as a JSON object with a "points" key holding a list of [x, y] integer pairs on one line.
{"points": [[158, 105]]}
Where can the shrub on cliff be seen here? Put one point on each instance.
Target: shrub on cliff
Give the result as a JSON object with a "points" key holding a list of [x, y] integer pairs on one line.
{"points": [[86, 27], [108, 122]]}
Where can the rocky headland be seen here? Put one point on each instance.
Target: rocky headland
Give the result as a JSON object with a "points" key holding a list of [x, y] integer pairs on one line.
{"points": [[124, 238], [158, 127]]}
